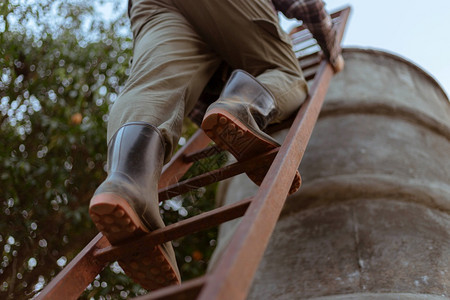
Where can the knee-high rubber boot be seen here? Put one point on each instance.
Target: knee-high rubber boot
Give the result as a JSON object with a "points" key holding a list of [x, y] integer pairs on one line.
{"points": [[236, 120], [125, 205]]}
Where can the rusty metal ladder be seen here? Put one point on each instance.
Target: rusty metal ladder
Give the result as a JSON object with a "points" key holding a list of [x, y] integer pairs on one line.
{"points": [[232, 276]]}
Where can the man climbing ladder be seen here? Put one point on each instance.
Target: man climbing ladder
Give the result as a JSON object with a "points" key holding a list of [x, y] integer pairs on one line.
{"points": [[178, 45]]}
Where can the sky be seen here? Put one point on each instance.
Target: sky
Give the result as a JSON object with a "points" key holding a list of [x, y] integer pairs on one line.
{"points": [[414, 30]]}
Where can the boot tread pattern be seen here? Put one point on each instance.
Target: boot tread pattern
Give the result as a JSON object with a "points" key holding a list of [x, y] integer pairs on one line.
{"points": [[233, 136], [115, 218]]}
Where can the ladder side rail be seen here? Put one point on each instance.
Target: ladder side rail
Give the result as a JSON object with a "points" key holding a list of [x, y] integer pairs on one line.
{"points": [[178, 165], [230, 279], [186, 291], [201, 154], [232, 276], [81, 271], [216, 175], [307, 63], [78, 274], [73, 279], [182, 228]]}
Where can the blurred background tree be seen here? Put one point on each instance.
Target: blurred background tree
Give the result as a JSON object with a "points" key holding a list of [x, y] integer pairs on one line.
{"points": [[62, 65]]}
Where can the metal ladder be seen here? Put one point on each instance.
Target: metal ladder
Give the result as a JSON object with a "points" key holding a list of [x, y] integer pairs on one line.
{"points": [[232, 276]]}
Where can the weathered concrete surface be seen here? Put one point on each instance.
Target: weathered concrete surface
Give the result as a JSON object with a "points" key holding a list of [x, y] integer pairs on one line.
{"points": [[371, 220], [364, 245], [358, 155]]}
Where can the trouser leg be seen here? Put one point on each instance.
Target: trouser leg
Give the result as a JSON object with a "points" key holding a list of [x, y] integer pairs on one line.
{"points": [[247, 36], [171, 66], [125, 206]]}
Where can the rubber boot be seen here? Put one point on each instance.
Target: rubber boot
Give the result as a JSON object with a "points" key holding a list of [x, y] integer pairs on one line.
{"points": [[125, 206], [235, 122]]}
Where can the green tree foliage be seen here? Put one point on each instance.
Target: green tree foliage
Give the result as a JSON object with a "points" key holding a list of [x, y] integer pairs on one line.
{"points": [[62, 65]]}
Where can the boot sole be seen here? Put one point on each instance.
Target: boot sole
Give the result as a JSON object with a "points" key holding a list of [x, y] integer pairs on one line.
{"points": [[230, 134], [116, 219]]}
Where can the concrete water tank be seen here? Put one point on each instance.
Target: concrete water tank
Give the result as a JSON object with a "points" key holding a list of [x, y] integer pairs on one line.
{"points": [[371, 220]]}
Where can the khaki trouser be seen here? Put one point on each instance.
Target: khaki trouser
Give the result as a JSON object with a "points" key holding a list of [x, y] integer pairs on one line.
{"points": [[179, 44]]}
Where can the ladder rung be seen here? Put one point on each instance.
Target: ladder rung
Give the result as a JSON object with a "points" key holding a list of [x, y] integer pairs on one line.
{"points": [[232, 276], [185, 291], [310, 74], [174, 231], [310, 63], [177, 167], [201, 154], [216, 175], [298, 31], [300, 38], [234, 271], [306, 47], [308, 56]]}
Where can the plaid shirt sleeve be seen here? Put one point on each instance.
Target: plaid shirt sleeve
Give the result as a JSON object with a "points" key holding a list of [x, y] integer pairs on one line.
{"points": [[316, 19]]}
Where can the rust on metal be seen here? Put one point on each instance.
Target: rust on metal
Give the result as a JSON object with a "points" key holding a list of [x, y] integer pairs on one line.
{"points": [[185, 291], [81, 271], [201, 154], [78, 274], [232, 277], [234, 272], [182, 228], [216, 175], [177, 167]]}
